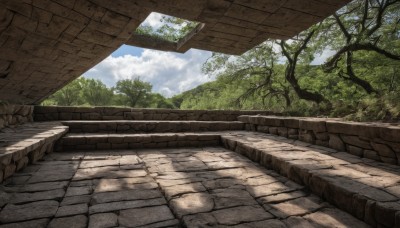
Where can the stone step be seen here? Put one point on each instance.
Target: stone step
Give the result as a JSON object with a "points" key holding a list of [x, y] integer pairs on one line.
{"points": [[26, 144], [365, 188], [132, 126], [89, 141]]}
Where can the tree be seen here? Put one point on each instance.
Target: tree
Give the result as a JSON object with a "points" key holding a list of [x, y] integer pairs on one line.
{"points": [[159, 101], [96, 93], [293, 52], [136, 91], [70, 94], [365, 26]]}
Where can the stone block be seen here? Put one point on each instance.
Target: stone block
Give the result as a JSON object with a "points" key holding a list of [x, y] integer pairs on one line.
{"points": [[392, 161], [9, 170], [283, 131], [244, 119], [322, 143], [385, 213], [274, 121], [273, 130], [22, 163], [313, 125], [383, 150], [264, 129], [335, 142], [291, 122], [307, 136], [391, 133], [354, 150], [371, 154], [356, 141], [322, 136]]}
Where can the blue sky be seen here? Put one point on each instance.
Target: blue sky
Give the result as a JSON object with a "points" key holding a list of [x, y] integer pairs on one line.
{"points": [[127, 50]]}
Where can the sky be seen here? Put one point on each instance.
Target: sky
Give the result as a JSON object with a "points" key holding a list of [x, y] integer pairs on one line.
{"points": [[170, 73]]}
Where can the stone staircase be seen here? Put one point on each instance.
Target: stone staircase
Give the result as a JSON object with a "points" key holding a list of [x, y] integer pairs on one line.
{"points": [[150, 126], [303, 150], [130, 134], [367, 189]]}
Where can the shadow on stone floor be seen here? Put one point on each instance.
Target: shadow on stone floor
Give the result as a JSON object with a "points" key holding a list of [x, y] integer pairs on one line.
{"points": [[193, 187]]}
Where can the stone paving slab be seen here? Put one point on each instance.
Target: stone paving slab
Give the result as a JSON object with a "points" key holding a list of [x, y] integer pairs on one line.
{"points": [[241, 194]]}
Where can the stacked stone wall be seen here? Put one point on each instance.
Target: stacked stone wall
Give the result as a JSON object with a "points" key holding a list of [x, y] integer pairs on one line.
{"points": [[13, 115], [51, 113], [377, 141]]}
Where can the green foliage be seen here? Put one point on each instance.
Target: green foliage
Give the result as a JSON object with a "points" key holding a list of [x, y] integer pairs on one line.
{"points": [[91, 92], [70, 95], [173, 29], [95, 93], [360, 81], [137, 92]]}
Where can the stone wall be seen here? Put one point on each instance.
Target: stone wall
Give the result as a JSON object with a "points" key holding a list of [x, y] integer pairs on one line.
{"points": [[51, 113], [377, 141], [12, 115]]}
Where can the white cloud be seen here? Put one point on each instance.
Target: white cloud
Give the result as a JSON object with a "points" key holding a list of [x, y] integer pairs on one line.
{"points": [[169, 73], [154, 20]]}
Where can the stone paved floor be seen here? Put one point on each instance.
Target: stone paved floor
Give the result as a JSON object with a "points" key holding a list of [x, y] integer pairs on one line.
{"points": [[190, 187]]}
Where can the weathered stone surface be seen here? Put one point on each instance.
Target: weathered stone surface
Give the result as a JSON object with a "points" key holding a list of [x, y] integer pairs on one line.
{"points": [[35, 210], [271, 223], [50, 176], [356, 141], [192, 203], [18, 198], [385, 213], [75, 200], [235, 215], [281, 197], [40, 223], [78, 221], [383, 150], [77, 191], [334, 218], [270, 189], [116, 206], [46, 186], [200, 220], [72, 210], [105, 197], [336, 142], [232, 197], [221, 197], [300, 206], [144, 216], [297, 222], [177, 190], [108, 185], [103, 220]]}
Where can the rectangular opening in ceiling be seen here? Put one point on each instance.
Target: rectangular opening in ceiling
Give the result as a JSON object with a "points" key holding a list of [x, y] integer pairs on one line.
{"points": [[166, 27]]}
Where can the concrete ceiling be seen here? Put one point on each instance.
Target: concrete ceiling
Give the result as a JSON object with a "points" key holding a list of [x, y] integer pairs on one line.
{"points": [[44, 44]]}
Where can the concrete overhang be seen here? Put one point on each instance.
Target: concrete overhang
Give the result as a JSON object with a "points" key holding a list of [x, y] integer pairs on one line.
{"points": [[44, 44]]}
